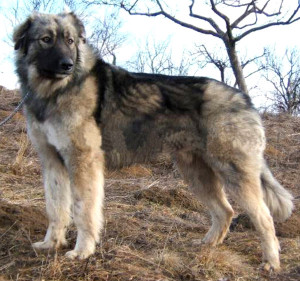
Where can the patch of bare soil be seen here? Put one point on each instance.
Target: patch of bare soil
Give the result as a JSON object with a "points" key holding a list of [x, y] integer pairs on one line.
{"points": [[153, 223]]}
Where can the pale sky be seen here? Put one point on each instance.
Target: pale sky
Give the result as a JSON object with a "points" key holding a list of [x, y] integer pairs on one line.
{"points": [[138, 28]]}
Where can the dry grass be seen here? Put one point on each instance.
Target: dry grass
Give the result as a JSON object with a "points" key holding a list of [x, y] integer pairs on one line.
{"points": [[153, 224]]}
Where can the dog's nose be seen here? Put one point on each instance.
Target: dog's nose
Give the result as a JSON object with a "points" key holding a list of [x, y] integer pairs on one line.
{"points": [[66, 64]]}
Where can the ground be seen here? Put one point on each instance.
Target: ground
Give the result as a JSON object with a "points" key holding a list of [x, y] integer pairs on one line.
{"points": [[153, 224]]}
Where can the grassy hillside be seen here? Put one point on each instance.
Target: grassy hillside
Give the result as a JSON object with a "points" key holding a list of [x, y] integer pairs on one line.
{"points": [[153, 224]]}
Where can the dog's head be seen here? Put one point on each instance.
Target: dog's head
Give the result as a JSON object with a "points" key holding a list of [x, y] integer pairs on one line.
{"points": [[52, 48]]}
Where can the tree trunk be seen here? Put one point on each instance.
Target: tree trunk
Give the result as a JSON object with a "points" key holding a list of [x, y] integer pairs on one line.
{"points": [[222, 70], [236, 66]]}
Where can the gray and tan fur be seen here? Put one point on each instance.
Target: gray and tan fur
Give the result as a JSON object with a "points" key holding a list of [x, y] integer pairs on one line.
{"points": [[82, 111]]}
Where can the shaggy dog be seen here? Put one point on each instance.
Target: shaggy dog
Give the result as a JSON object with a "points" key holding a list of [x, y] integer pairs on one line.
{"points": [[84, 114]]}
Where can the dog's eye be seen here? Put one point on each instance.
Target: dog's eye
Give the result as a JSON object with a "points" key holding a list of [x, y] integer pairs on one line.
{"points": [[46, 39], [70, 41]]}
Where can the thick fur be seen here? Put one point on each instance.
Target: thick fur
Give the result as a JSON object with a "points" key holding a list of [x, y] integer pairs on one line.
{"points": [[81, 109]]}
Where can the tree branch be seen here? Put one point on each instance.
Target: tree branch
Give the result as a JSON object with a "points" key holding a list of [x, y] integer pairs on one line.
{"points": [[216, 11], [262, 10], [243, 16], [289, 21], [162, 12], [209, 20], [237, 5], [244, 64], [253, 72]]}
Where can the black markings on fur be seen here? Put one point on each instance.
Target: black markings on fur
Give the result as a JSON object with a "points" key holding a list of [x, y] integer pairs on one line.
{"points": [[186, 80], [177, 99], [39, 107], [99, 71], [179, 93], [122, 81], [61, 159], [136, 133]]}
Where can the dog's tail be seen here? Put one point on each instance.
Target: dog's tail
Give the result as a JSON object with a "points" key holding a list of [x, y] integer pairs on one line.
{"points": [[277, 198]]}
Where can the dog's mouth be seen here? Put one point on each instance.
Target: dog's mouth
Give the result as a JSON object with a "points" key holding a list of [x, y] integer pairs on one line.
{"points": [[54, 74]]}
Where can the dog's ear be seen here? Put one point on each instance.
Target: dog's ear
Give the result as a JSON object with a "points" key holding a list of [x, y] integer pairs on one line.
{"points": [[80, 27], [20, 37]]}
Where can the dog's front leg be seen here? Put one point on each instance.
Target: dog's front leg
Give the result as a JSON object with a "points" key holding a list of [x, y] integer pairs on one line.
{"points": [[57, 190], [87, 185], [58, 203]]}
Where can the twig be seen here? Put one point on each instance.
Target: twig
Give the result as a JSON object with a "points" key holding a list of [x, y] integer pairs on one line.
{"points": [[8, 229], [30, 241], [297, 134], [7, 265], [151, 184]]}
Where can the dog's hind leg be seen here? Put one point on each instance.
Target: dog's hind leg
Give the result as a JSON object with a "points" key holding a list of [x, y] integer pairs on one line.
{"points": [[245, 186], [57, 192], [234, 149], [208, 189], [251, 199]]}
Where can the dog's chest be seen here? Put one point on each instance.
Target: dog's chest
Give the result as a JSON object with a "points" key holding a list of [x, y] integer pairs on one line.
{"points": [[57, 134]]}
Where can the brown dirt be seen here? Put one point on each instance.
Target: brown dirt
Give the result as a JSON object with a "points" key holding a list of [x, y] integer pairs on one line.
{"points": [[153, 224]]}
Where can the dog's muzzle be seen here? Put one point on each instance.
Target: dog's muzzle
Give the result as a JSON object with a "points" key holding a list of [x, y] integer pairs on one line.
{"points": [[63, 68], [66, 65]]}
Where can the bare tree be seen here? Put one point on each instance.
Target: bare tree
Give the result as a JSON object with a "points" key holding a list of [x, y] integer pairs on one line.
{"points": [[253, 15], [106, 36], [157, 58], [204, 57], [283, 74], [219, 60]]}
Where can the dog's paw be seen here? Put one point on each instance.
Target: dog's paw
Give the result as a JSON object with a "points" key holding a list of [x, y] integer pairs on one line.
{"points": [[49, 244], [81, 255], [44, 245], [268, 268], [71, 254]]}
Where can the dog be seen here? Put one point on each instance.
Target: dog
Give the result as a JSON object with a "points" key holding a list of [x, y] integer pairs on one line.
{"points": [[84, 115]]}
